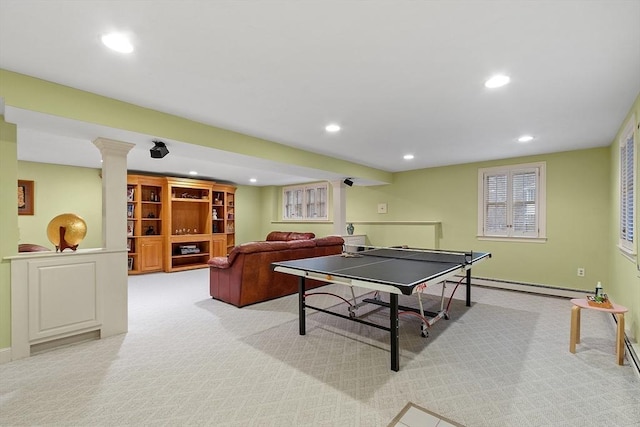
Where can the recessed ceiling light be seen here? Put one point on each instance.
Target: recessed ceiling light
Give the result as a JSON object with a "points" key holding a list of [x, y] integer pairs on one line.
{"points": [[408, 156], [193, 173], [332, 127], [118, 42], [253, 180], [497, 81], [525, 138]]}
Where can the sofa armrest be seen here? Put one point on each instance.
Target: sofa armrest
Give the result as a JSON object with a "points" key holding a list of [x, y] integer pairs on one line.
{"points": [[219, 262], [246, 248], [277, 236]]}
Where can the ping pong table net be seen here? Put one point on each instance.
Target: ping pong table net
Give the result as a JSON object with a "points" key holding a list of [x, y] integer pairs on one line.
{"points": [[401, 252]]}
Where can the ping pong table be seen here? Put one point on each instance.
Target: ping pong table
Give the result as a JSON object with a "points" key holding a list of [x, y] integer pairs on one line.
{"points": [[396, 271]]}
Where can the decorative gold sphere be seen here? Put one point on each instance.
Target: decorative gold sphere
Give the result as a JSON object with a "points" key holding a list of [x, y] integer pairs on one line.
{"points": [[74, 230]]}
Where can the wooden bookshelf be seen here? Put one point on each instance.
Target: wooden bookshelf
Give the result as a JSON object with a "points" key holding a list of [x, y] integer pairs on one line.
{"points": [[223, 219], [177, 224], [187, 224], [144, 223]]}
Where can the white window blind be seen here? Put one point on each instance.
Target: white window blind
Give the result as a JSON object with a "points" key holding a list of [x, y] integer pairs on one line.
{"points": [[293, 203], [627, 190], [495, 218], [307, 202], [524, 203], [511, 201], [316, 202]]}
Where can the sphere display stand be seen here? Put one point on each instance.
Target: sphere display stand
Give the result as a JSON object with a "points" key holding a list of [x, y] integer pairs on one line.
{"points": [[63, 243]]}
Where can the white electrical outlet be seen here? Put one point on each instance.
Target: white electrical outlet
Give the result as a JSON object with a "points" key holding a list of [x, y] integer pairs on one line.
{"points": [[382, 208], [580, 272]]}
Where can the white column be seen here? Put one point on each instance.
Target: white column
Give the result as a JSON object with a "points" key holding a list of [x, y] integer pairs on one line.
{"points": [[114, 233], [339, 207], [114, 192]]}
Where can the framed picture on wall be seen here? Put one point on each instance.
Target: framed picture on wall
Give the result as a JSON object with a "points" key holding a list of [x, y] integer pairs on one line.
{"points": [[25, 197]]}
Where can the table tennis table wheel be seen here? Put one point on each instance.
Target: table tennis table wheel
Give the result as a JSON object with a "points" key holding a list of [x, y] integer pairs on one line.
{"points": [[423, 331]]}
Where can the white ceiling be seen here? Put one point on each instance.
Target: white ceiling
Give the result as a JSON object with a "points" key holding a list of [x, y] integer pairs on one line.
{"points": [[398, 76]]}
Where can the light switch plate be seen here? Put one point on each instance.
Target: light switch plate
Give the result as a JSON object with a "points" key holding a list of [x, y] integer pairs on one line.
{"points": [[382, 208]]}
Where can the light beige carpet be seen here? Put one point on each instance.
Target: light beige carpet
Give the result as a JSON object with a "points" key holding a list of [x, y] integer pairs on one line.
{"points": [[189, 360]]}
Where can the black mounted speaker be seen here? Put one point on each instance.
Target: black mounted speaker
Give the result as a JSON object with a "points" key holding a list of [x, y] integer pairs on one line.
{"points": [[159, 151]]}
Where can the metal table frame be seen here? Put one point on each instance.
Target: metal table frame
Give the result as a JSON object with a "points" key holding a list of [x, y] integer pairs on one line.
{"points": [[392, 290]]}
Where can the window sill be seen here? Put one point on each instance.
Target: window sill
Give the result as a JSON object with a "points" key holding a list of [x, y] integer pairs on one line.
{"points": [[627, 253], [513, 239]]}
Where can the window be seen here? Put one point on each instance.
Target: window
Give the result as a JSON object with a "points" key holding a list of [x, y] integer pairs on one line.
{"points": [[511, 201], [627, 189], [308, 202]]}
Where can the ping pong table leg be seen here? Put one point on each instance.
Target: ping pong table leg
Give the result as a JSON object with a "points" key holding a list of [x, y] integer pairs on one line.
{"points": [[469, 288], [301, 306], [393, 329]]}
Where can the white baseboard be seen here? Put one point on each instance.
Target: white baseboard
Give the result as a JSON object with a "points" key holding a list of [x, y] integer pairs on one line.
{"points": [[529, 287], [5, 355]]}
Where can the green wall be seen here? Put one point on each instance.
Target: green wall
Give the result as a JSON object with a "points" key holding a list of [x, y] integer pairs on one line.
{"points": [[249, 204], [576, 182], [578, 196], [624, 281], [61, 189]]}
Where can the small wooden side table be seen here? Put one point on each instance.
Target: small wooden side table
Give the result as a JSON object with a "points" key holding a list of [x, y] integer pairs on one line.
{"points": [[617, 309]]}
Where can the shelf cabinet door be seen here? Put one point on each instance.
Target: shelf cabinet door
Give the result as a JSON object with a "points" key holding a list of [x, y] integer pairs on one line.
{"points": [[219, 245], [150, 253]]}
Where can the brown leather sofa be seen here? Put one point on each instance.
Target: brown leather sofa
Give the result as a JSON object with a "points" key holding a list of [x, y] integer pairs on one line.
{"points": [[246, 277]]}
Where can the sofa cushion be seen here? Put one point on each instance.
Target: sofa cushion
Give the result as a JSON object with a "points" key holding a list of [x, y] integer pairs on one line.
{"points": [[278, 235], [253, 247], [294, 235], [329, 241], [288, 235], [295, 244]]}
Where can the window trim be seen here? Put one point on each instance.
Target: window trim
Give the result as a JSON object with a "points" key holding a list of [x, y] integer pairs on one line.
{"points": [[304, 188], [541, 201], [628, 248]]}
